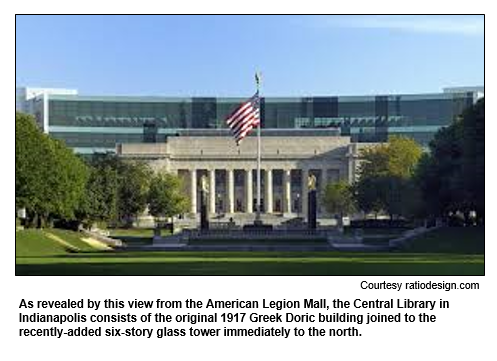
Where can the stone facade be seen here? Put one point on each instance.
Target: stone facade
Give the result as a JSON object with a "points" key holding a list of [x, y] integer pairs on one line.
{"points": [[231, 171]]}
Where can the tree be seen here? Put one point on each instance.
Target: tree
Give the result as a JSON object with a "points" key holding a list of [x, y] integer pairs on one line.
{"points": [[99, 203], [166, 197], [398, 157], [134, 180], [400, 196], [374, 162], [368, 196], [29, 149], [66, 179], [438, 173], [473, 157], [339, 199], [117, 190], [452, 176], [403, 156], [385, 177], [50, 178]]}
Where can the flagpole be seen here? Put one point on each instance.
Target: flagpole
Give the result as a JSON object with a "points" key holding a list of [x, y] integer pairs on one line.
{"points": [[258, 214]]}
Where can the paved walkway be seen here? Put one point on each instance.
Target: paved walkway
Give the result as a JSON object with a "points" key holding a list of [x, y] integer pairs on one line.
{"points": [[354, 247]]}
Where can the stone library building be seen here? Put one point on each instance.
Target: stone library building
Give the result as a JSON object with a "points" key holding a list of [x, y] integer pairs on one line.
{"points": [[300, 136]]}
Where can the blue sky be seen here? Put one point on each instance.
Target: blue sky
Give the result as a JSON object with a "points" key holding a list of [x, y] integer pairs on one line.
{"points": [[217, 55]]}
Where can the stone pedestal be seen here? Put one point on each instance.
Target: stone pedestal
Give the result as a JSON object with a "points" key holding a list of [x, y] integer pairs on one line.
{"points": [[312, 210], [204, 221]]}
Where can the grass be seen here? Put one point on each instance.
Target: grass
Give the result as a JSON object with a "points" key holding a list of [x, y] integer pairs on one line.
{"points": [[72, 238], [134, 236], [132, 232], [36, 243], [252, 263], [37, 255], [462, 240]]}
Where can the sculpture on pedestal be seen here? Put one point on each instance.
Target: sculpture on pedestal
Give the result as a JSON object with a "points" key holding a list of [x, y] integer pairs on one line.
{"points": [[312, 202], [204, 190]]}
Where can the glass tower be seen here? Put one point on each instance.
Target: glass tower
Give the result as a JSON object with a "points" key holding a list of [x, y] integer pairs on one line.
{"points": [[99, 123]]}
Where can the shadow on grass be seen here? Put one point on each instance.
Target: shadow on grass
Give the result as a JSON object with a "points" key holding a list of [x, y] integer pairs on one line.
{"points": [[254, 256], [278, 267], [272, 254], [135, 240]]}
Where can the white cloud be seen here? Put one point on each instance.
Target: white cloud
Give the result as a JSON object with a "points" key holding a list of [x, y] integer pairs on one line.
{"points": [[448, 24]]}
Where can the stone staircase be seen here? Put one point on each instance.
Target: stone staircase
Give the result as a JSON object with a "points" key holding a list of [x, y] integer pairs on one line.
{"points": [[240, 219], [277, 220]]}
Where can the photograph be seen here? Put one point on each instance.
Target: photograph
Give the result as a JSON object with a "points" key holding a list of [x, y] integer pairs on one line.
{"points": [[250, 145]]}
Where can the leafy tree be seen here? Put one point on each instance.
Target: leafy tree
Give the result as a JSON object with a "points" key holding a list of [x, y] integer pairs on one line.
{"points": [[134, 179], [117, 190], [339, 199], [438, 171], [368, 196], [29, 149], [166, 197], [452, 176], [398, 157], [473, 157], [403, 156], [50, 179], [67, 179], [400, 196], [374, 161], [384, 177], [100, 198]]}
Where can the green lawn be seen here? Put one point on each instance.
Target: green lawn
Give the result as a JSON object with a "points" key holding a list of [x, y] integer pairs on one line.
{"points": [[37, 255], [132, 232], [134, 236], [462, 240], [36, 243], [72, 238]]}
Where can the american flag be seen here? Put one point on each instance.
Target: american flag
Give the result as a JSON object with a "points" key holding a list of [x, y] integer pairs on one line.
{"points": [[245, 118]]}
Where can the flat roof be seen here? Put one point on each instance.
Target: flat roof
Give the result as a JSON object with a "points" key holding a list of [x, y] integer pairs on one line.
{"points": [[269, 99], [289, 132]]}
